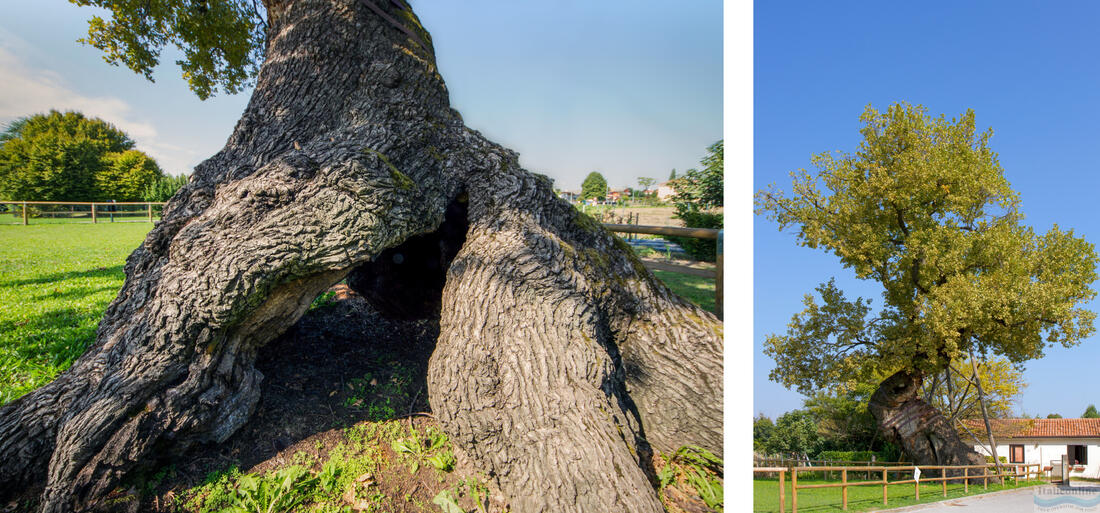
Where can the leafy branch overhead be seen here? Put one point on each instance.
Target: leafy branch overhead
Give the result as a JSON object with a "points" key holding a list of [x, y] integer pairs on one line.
{"points": [[222, 41], [923, 208]]}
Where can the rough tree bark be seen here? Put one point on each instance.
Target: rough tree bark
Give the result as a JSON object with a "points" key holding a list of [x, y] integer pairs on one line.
{"points": [[561, 361], [921, 431]]}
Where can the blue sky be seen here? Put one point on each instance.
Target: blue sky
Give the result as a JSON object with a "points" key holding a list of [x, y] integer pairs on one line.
{"points": [[1028, 69], [627, 88]]}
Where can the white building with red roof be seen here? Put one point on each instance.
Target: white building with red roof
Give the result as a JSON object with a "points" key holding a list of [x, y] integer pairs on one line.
{"points": [[1043, 441]]}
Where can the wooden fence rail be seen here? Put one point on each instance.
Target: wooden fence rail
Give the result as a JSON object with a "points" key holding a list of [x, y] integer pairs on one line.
{"points": [[1018, 471], [696, 233], [93, 211]]}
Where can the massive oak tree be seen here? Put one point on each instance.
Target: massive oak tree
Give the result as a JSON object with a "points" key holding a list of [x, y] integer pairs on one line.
{"points": [[561, 362], [924, 210]]}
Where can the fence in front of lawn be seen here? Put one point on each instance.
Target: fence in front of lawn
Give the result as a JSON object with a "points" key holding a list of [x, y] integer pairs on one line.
{"points": [[946, 473], [49, 212], [696, 233]]}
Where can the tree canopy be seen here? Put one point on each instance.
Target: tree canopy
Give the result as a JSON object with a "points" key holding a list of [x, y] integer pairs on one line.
{"points": [[222, 41], [923, 209], [594, 186], [1090, 413], [701, 189], [69, 157]]}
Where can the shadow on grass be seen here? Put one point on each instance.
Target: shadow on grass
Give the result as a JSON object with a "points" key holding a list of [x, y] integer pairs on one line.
{"points": [[98, 272]]}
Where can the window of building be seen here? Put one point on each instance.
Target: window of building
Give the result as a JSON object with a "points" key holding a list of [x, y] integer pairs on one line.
{"points": [[1016, 454], [1078, 454]]}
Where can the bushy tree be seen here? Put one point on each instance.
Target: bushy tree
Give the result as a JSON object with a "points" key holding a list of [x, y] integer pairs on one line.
{"points": [[69, 157], [1090, 413], [697, 192], [125, 176], [1054, 416], [924, 210], [594, 186], [701, 189], [762, 429], [795, 433], [163, 188]]}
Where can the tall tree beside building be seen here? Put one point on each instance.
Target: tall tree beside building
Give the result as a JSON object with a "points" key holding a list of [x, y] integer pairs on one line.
{"points": [[923, 209], [594, 186]]}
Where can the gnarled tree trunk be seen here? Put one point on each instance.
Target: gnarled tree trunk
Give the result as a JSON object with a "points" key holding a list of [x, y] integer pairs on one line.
{"points": [[561, 361], [921, 431]]}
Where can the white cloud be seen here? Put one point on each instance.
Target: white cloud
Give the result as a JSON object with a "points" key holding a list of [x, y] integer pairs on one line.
{"points": [[28, 90]]}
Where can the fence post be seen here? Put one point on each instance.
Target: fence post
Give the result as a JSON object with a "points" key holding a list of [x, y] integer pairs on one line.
{"points": [[150, 205], [24, 213], [916, 485], [781, 491], [943, 477], [718, 277], [985, 477], [794, 489], [93, 213], [844, 488], [884, 471], [966, 482]]}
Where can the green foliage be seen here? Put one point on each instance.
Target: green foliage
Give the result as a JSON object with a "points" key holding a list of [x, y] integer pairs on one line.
{"points": [[923, 209], [163, 188], [447, 503], [701, 470], [68, 157], [953, 394], [425, 449], [709, 488], [222, 41], [795, 433], [846, 455], [443, 461], [277, 491], [672, 175], [701, 190], [377, 395], [696, 192], [594, 187], [762, 429], [700, 249], [843, 420], [126, 176], [1054, 416], [1090, 413], [646, 182]]}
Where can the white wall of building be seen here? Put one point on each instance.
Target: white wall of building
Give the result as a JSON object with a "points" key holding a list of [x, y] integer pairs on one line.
{"points": [[1045, 450]]}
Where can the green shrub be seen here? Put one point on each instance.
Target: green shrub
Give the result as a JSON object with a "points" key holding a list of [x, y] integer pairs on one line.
{"points": [[699, 249]]}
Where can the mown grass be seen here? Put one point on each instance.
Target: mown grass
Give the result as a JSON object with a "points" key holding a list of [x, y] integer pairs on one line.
{"points": [[56, 281], [696, 289], [862, 498]]}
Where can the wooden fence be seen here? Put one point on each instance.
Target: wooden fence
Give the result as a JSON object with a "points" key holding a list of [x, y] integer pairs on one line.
{"points": [[696, 233], [82, 211], [966, 477]]}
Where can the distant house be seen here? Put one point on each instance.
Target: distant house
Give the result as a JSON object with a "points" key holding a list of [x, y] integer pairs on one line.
{"points": [[618, 195], [665, 191], [569, 195], [1043, 441]]}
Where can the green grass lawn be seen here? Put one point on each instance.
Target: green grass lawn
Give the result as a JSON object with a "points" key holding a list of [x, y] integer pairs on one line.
{"points": [[56, 281], [862, 498], [696, 289]]}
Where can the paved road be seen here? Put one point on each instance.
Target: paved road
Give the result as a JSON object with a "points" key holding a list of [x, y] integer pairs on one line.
{"points": [[1048, 498]]}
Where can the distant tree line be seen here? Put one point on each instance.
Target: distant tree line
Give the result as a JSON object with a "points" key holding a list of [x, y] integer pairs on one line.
{"points": [[66, 156]]}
